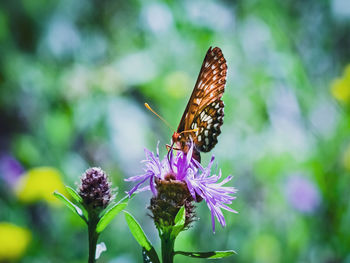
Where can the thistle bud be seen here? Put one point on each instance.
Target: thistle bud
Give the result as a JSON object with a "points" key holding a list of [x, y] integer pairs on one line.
{"points": [[95, 189], [171, 196]]}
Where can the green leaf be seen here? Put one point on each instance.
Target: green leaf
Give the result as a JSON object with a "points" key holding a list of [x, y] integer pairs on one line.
{"points": [[180, 217], [150, 256], [74, 194], [210, 255], [137, 232], [179, 222], [109, 215], [70, 205]]}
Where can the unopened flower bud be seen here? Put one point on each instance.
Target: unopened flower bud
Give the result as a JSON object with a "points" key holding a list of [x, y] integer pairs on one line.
{"points": [[95, 189]]}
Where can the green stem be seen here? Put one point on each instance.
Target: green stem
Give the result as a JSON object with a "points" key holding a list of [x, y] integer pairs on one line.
{"points": [[93, 237], [167, 248]]}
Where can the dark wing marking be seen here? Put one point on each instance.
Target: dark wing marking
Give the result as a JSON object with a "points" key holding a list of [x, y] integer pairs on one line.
{"points": [[209, 122]]}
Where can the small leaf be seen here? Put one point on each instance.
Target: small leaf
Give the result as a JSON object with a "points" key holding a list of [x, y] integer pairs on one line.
{"points": [[179, 222], [137, 232], [109, 215], [99, 249], [70, 205], [74, 194], [210, 255], [180, 217], [150, 256]]}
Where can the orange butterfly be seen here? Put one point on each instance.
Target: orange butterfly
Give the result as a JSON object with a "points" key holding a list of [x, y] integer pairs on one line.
{"points": [[204, 113]]}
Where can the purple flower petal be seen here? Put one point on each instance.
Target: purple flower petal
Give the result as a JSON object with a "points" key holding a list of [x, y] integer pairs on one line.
{"points": [[198, 179]]}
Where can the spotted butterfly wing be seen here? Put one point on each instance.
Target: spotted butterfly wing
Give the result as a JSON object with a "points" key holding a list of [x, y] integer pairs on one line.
{"points": [[205, 109]]}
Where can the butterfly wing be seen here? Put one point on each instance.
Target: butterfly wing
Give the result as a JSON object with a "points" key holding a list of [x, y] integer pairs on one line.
{"points": [[205, 109], [208, 122]]}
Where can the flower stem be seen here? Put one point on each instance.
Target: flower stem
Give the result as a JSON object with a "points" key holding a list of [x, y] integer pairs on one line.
{"points": [[93, 237], [168, 243]]}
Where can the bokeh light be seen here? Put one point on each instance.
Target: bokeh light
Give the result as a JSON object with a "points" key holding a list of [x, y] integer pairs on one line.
{"points": [[74, 76]]}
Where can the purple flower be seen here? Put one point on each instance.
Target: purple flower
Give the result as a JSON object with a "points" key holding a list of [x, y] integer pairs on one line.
{"points": [[200, 183], [302, 194], [10, 169]]}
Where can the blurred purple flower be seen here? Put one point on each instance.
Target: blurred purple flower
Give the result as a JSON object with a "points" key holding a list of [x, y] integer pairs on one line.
{"points": [[302, 194], [201, 185], [10, 169]]}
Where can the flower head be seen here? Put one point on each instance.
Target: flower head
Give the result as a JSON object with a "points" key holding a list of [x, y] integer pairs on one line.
{"points": [[95, 189], [182, 169]]}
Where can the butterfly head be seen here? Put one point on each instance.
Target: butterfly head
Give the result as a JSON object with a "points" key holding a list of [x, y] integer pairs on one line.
{"points": [[176, 137], [183, 141]]}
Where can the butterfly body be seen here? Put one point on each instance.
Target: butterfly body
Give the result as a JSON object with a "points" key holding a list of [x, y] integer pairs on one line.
{"points": [[204, 113]]}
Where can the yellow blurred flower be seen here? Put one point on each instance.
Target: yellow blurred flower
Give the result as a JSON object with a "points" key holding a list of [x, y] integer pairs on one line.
{"points": [[340, 87], [14, 241], [38, 184]]}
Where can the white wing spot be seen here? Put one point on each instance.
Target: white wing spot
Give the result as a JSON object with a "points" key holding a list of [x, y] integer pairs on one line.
{"points": [[210, 120], [206, 64], [199, 138], [209, 126], [214, 78], [216, 58], [206, 118], [206, 140], [216, 125], [212, 66], [211, 95], [202, 114], [217, 106], [198, 101], [214, 72], [206, 132]]}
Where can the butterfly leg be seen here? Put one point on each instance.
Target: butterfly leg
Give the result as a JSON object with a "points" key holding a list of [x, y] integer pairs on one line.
{"points": [[168, 147]]}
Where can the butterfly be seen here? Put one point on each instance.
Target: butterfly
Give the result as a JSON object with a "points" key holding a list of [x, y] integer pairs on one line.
{"points": [[204, 113]]}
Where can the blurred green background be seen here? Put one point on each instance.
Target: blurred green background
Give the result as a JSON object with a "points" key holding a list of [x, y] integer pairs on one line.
{"points": [[73, 79]]}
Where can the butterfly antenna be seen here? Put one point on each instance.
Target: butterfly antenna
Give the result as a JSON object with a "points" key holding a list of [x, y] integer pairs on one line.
{"points": [[160, 117], [193, 130]]}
